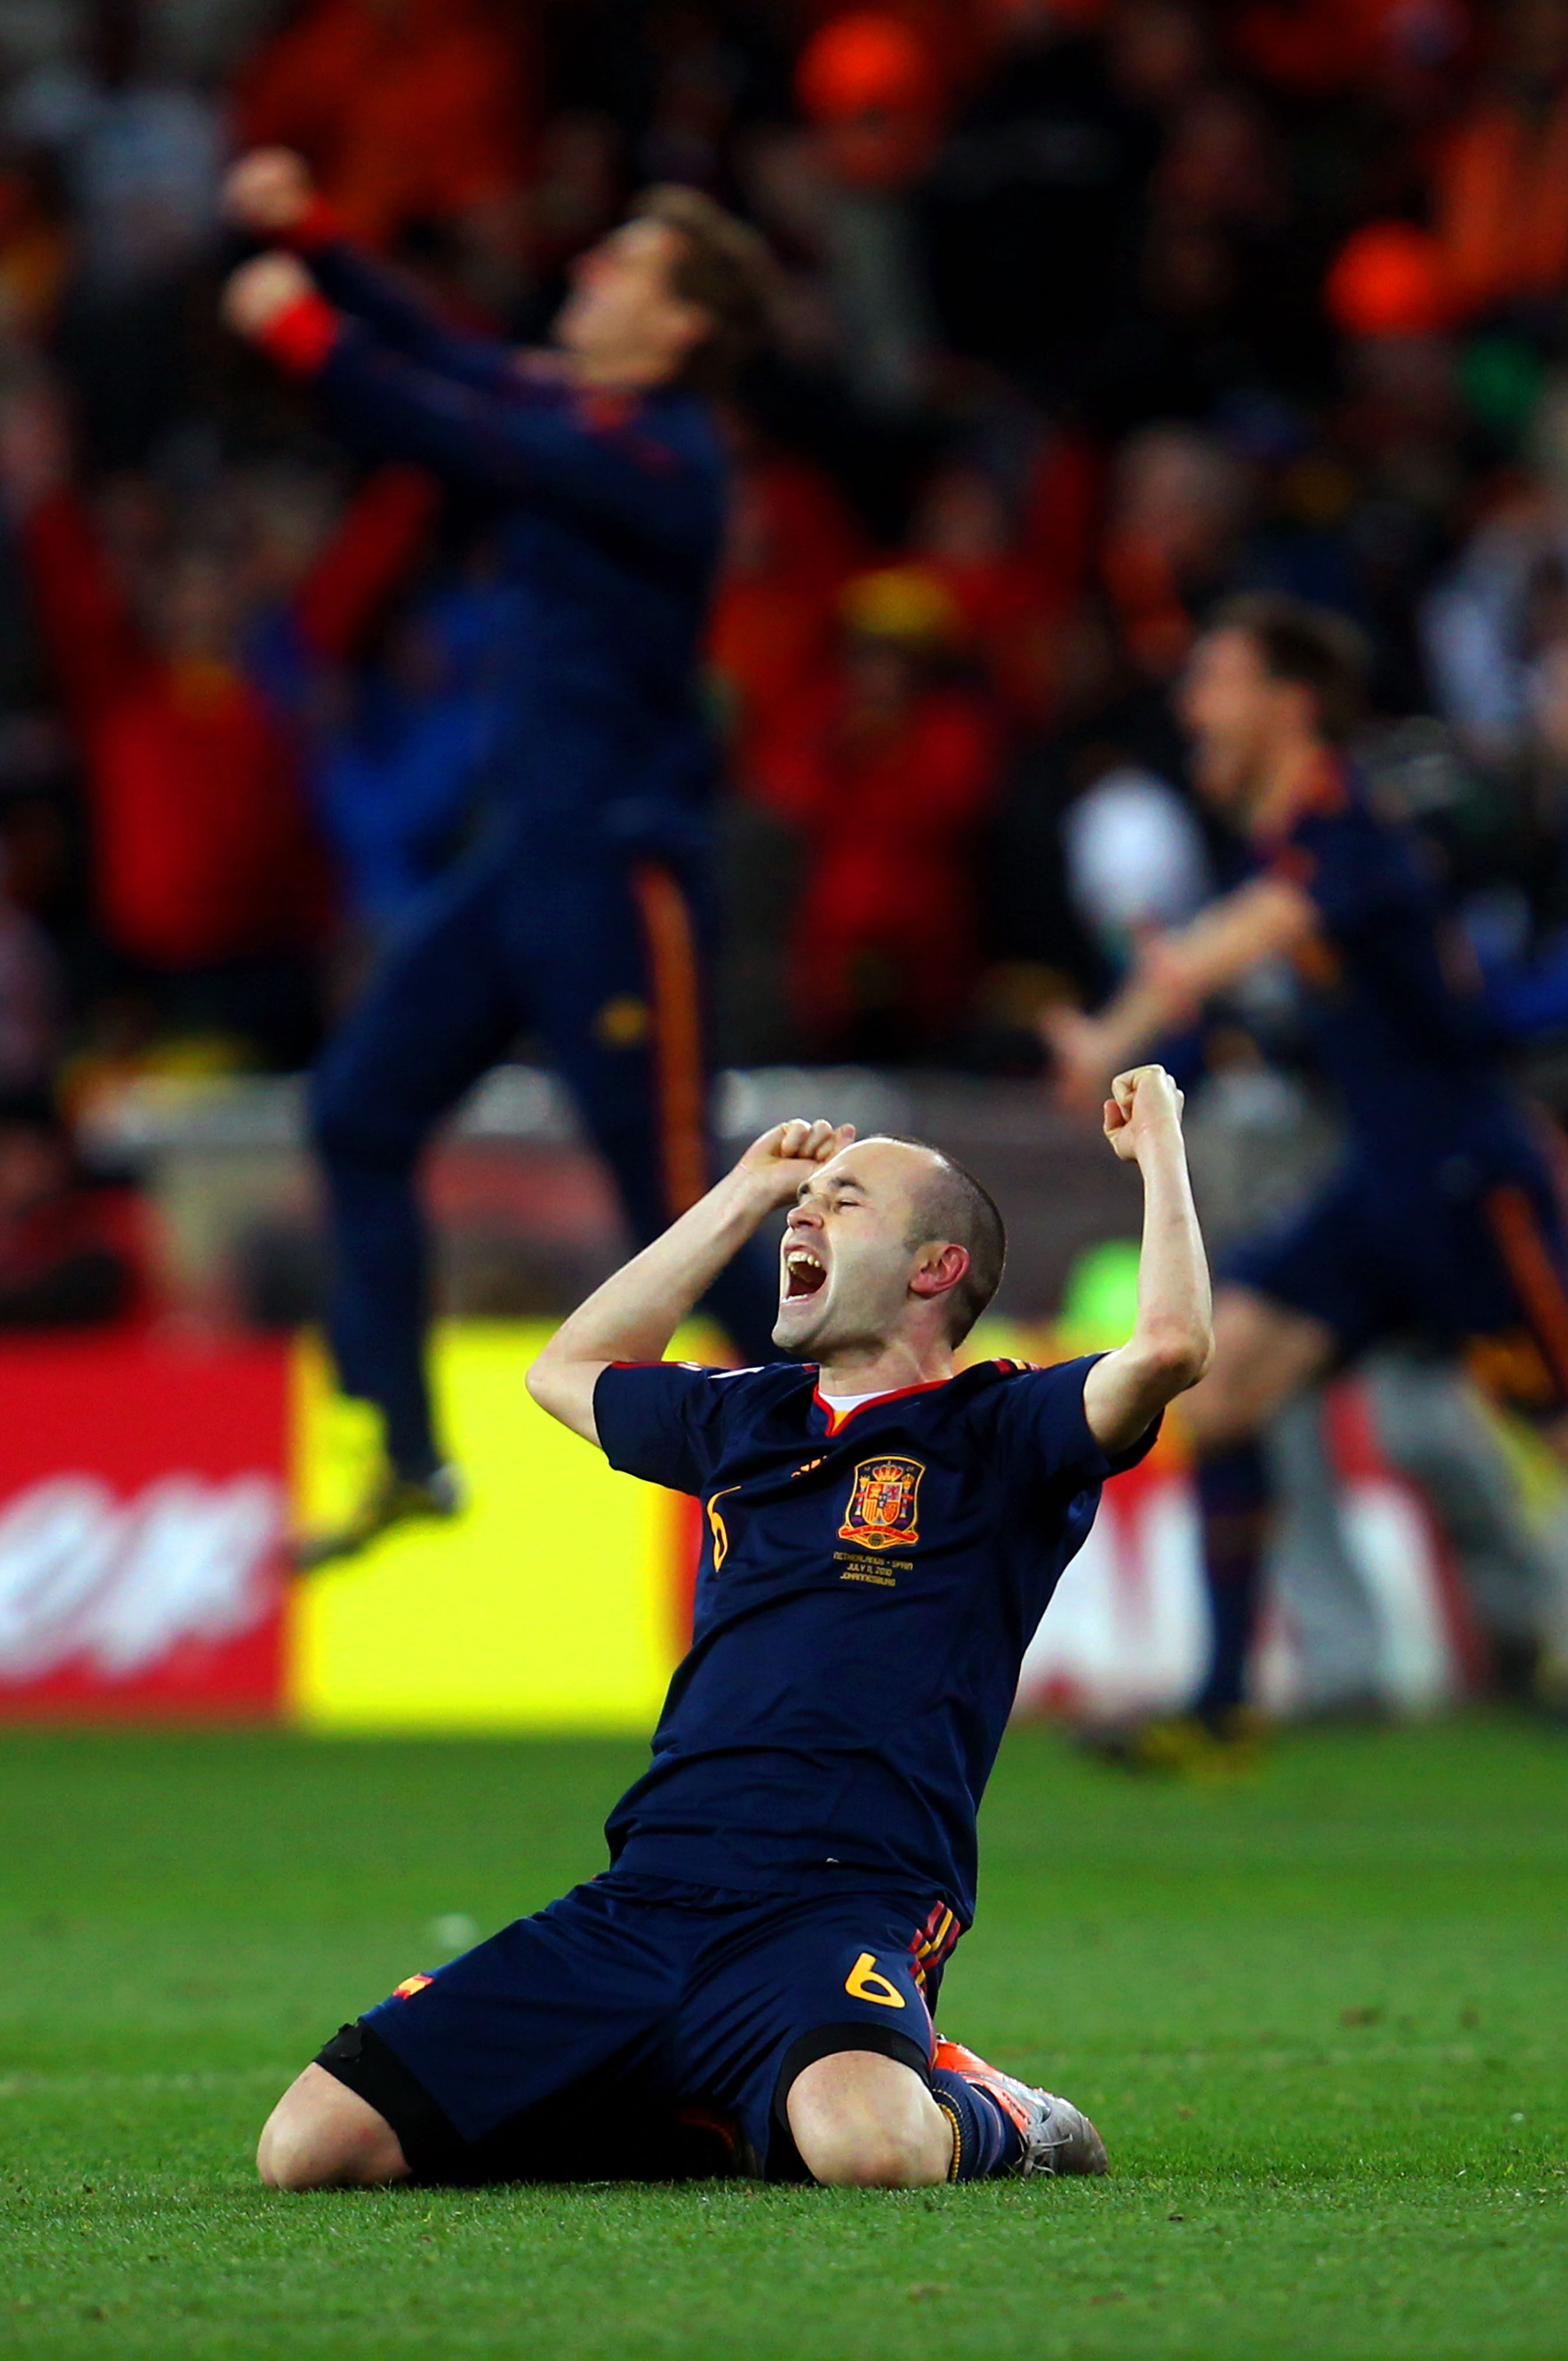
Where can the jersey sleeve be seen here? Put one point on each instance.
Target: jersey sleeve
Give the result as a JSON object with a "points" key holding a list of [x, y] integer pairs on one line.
{"points": [[1355, 871], [1042, 1431], [662, 1421], [608, 474], [354, 284]]}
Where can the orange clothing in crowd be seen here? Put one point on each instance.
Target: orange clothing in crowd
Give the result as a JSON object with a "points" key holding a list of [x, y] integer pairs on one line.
{"points": [[887, 804], [35, 258], [405, 111], [1503, 206], [203, 848]]}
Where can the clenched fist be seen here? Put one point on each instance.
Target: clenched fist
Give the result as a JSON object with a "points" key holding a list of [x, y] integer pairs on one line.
{"points": [[261, 290], [791, 1153], [270, 192], [1145, 1106]]}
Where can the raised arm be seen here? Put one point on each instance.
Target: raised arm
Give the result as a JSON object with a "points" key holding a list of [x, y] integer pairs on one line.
{"points": [[1174, 975], [1172, 1340], [385, 302], [634, 1314], [606, 471], [271, 194]]}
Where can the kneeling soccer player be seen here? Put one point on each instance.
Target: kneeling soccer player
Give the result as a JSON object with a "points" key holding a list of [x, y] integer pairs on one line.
{"points": [[749, 1986]]}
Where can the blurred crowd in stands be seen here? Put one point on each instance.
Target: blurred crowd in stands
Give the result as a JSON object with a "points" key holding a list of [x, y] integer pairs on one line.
{"points": [[1089, 312]]}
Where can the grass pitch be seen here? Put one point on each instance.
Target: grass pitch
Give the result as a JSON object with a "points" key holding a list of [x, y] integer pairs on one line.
{"points": [[1322, 2018]]}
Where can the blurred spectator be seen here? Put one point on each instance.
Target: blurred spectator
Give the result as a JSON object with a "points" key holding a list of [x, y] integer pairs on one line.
{"points": [[32, 999], [1475, 624], [1090, 311], [1137, 861], [700, 72], [867, 84], [35, 251], [1390, 279], [574, 189], [791, 548], [1179, 501], [1035, 210], [140, 157], [61, 1262], [1318, 47], [210, 879], [399, 749], [887, 772], [407, 110], [963, 534], [1502, 192], [792, 545]]}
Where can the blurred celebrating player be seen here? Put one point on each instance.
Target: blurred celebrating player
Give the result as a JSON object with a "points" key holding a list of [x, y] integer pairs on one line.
{"points": [[583, 912], [792, 1872], [1441, 1223]]}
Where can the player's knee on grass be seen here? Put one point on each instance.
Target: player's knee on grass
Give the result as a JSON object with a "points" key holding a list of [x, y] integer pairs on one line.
{"points": [[862, 2121], [321, 2135]]}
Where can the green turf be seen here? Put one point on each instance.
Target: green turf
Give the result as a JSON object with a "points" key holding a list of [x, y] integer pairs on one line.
{"points": [[1323, 2020]]}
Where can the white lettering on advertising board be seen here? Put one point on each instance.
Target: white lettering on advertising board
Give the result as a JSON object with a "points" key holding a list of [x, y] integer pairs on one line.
{"points": [[117, 1584]]}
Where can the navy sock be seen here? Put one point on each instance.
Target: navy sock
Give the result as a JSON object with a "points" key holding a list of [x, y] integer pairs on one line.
{"points": [[1233, 1499], [985, 2141]]}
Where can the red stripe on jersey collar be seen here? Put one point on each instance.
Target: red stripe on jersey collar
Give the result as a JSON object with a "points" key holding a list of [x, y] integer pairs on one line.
{"points": [[837, 1419]]}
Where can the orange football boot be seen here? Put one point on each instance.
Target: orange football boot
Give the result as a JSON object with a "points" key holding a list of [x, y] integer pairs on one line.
{"points": [[1057, 2137]]}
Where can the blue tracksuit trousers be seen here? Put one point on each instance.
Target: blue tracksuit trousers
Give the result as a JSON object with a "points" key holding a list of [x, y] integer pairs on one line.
{"points": [[600, 958]]}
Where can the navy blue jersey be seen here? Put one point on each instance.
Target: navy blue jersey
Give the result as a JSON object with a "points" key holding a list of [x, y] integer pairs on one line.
{"points": [[1395, 1010], [868, 1586], [609, 513]]}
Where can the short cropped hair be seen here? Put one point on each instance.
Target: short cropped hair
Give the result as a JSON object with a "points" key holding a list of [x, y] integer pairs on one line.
{"points": [[725, 270], [1310, 646], [950, 1205]]}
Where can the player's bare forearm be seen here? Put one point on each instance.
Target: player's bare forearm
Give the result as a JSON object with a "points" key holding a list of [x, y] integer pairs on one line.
{"points": [[1174, 975], [636, 1310], [634, 1314], [1172, 1339]]}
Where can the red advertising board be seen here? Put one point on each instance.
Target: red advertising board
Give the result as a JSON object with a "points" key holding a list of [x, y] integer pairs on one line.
{"points": [[142, 1498]]}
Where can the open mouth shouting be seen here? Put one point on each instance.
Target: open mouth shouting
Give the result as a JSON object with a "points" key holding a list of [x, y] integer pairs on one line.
{"points": [[804, 1272]]}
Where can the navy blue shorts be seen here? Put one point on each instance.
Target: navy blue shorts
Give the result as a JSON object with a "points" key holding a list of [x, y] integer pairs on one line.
{"points": [[1472, 1267], [641, 2028]]}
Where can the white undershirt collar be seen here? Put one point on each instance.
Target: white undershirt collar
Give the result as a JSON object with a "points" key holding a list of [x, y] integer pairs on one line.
{"points": [[840, 1403]]}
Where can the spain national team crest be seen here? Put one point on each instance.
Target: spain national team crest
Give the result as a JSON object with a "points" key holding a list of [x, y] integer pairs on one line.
{"points": [[882, 1510]]}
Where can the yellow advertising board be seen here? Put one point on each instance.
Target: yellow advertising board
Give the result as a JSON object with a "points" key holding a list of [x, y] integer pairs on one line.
{"points": [[555, 1602], [551, 1604]]}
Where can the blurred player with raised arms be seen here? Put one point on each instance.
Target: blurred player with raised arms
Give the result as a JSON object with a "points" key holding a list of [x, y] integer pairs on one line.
{"points": [[1442, 1224], [583, 913], [763, 1957]]}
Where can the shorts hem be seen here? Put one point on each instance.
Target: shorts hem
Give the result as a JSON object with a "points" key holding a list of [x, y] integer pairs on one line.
{"points": [[359, 2057], [829, 2040]]}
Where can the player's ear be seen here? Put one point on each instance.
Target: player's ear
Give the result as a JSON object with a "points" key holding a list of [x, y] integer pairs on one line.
{"points": [[938, 1269]]}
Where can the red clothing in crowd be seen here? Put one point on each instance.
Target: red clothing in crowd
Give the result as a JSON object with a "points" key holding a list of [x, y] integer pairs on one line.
{"points": [[1009, 623], [886, 802], [1502, 210], [203, 846], [404, 112], [791, 548], [1316, 45], [1015, 597]]}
